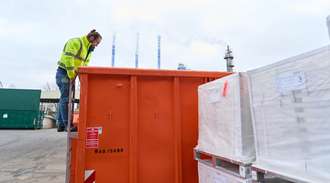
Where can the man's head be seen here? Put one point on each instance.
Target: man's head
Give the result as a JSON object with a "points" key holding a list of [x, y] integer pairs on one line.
{"points": [[94, 37]]}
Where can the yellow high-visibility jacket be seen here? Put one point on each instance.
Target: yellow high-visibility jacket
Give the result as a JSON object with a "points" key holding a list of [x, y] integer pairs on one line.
{"points": [[75, 54]]}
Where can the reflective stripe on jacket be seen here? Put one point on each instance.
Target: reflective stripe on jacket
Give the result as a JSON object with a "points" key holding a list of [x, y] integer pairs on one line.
{"points": [[75, 54]]}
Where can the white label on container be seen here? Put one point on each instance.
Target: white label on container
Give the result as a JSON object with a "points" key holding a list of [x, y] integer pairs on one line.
{"points": [[5, 116], [287, 82], [92, 137]]}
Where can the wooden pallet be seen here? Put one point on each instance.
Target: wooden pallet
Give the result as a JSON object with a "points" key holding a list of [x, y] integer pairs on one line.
{"points": [[261, 175], [233, 167]]}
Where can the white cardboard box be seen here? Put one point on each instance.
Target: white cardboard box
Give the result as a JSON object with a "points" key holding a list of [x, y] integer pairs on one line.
{"points": [[290, 103], [225, 127]]}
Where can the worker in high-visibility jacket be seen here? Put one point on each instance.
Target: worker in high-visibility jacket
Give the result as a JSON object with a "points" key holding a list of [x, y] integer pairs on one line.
{"points": [[76, 52]]}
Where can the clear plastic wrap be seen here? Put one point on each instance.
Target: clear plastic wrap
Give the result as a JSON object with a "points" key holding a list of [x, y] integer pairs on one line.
{"points": [[209, 174], [225, 127], [290, 103]]}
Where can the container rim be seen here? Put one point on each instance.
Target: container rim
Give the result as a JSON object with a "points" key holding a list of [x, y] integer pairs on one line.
{"points": [[151, 72]]}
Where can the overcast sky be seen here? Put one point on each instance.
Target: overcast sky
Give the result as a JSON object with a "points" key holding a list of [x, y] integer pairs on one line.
{"points": [[194, 32]]}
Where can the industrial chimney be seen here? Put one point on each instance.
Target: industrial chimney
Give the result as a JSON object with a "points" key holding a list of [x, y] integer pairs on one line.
{"points": [[113, 50], [229, 59], [328, 23]]}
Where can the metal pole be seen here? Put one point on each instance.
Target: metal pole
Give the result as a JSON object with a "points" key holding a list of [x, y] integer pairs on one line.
{"points": [[70, 122], [113, 50], [158, 52]]}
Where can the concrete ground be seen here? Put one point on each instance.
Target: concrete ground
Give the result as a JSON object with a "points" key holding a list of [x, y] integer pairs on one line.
{"points": [[32, 156]]}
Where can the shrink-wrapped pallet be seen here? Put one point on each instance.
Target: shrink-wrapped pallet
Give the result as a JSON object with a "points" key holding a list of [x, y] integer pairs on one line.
{"points": [[290, 103], [225, 127]]}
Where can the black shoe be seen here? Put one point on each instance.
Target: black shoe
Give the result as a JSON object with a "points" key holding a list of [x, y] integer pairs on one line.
{"points": [[60, 128], [74, 129]]}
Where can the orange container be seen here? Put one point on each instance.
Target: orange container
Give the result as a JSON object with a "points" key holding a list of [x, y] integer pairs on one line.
{"points": [[137, 126]]}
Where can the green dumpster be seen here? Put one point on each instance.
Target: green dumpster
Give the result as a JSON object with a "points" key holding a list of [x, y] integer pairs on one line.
{"points": [[20, 109]]}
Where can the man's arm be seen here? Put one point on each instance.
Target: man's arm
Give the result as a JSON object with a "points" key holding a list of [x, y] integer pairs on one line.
{"points": [[70, 51]]}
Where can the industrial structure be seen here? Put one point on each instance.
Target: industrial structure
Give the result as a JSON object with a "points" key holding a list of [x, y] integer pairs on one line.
{"points": [[328, 24], [137, 50], [158, 51], [229, 59], [113, 53]]}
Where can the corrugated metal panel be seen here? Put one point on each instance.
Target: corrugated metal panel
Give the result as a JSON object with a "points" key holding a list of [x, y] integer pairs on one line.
{"points": [[19, 99], [149, 121], [20, 119]]}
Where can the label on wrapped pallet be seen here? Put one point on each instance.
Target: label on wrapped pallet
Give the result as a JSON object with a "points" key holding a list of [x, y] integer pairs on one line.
{"points": [[287, 82], [92, 137], [225, 89]]}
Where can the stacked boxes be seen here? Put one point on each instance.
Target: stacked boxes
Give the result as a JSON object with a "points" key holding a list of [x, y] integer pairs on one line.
{"points": [[290, 103]]}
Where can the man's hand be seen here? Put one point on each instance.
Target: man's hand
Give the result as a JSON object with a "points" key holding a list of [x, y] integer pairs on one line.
{"points": [[74, 78]]}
